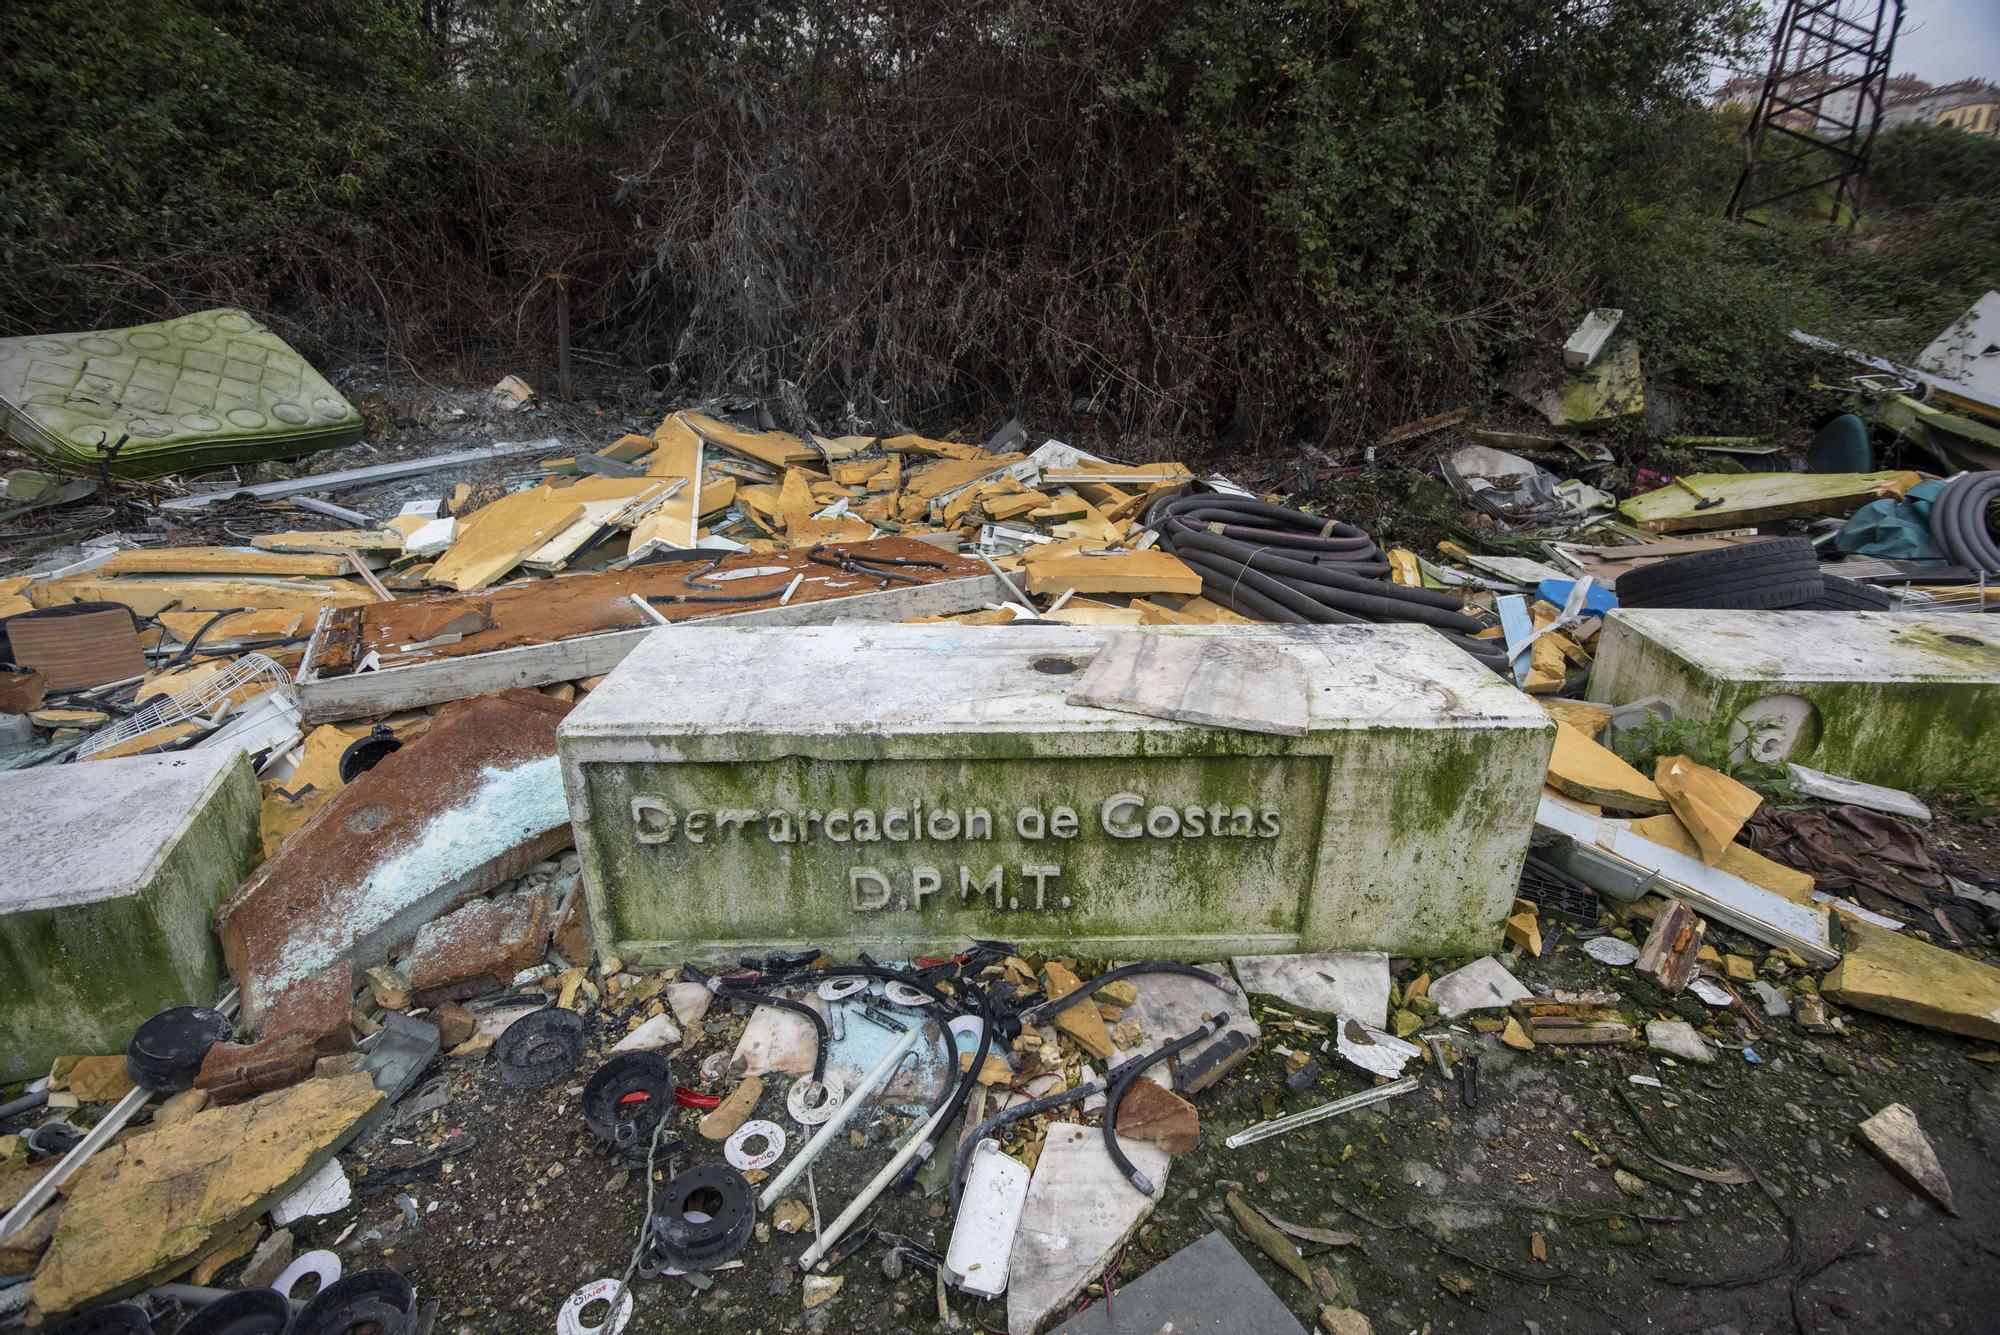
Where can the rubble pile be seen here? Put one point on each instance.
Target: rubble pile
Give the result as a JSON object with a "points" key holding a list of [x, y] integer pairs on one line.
{"points": [[598, 842]]}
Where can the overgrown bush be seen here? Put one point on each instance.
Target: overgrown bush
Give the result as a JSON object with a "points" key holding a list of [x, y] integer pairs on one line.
{"points": [[1247, 219]]}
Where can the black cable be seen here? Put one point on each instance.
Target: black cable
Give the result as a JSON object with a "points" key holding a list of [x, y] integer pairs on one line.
{"points": [[1132, 1071], [1047, 1010]]}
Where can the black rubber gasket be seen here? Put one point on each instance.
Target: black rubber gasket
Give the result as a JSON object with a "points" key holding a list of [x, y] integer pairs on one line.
{"points": [[244, 1312], [165, 1055], [628, 1096], [540, 1048], [367, 753], [368, 1302], [115, 1319], [687, 1244]]}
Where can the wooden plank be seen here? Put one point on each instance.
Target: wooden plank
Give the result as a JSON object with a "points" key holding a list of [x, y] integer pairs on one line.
{"points": [[222, 561], [493, 540], [275, 624], [1127, 572], [1757, 498], [359, 695], [336, 542], [775, 448], [149, 595], [675, 522], [363, 477]]}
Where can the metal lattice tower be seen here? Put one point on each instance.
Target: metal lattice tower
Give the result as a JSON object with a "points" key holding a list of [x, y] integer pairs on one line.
{"points": [[1823, 99]]}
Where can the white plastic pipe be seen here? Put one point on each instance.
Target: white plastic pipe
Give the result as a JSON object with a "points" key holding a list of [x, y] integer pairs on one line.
{"points": [[840, 1118], [876, 1186]]}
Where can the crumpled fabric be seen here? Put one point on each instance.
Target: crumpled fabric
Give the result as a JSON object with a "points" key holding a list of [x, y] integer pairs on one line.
{"points": [[1893, 529], [1849, 848]]}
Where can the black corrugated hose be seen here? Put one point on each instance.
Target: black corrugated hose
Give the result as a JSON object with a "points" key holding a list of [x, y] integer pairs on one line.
{"points": [[1278, 564], [1960, 523]]}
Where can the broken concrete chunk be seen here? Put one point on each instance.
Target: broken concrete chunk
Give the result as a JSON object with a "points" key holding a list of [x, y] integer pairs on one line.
{"points": [[104, 925], [1484, 984], [1080, 1210], [143, 1206], [478, 948], [473, 802], [1677, 1038], [1854, 793], [1894, 974], [1900, 1143], [1353, 983], [1149, 1112]]}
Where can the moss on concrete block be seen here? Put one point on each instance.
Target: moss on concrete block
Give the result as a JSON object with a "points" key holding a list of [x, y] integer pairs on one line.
{"points": [[900, 789], [104, 919]]}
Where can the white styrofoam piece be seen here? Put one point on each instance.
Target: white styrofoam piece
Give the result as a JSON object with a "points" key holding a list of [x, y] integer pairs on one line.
{"points": [[989, 1210], [325, 1192], [1588, 341], [1853, 792]]}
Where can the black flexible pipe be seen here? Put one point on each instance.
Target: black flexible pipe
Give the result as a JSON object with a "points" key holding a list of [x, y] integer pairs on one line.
{"points": [[1132, 1071], [822, 1036], [956, 1085], [1005, 1116], [1959, 520], [1047, 1010]]}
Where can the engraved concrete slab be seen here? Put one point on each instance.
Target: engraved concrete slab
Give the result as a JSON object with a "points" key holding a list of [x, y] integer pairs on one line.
{"points": [[901, 788], [1885, 698]]}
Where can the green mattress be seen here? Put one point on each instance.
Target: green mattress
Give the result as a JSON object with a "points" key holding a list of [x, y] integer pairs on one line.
{"points": [[203, 391]]}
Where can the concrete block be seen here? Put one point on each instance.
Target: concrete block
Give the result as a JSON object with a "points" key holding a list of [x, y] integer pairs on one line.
{"points": [[899, 788], [113, 869], [1907, 701]]}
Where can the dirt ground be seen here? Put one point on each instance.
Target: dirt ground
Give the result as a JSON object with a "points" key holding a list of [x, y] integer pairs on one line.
{"points": [[1446, 1201]]}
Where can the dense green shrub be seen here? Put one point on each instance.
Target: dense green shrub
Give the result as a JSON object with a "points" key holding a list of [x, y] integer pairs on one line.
{"points": [[1247, 218]]}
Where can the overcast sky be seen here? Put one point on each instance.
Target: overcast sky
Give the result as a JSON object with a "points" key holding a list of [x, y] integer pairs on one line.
{"points": [[1942, 41]]}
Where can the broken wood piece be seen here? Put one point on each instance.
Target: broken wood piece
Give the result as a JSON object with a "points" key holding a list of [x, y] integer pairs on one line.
{"points": [[1085, 1024], [497, 537], [226, 561], [1580, 768], [1125, 572], [1712, 805], [1672, 951]]}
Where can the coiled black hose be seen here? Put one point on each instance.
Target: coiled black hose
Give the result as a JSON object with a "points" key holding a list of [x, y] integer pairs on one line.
{"points": [[1959, 520], [1132, 1071], [1279, 564]]}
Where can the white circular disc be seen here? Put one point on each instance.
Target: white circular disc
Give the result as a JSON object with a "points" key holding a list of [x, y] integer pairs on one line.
{"points": [[322, 1263], [569, 1320], [833, 989], [904, 995], [811, 1102], [741, 1159]]}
